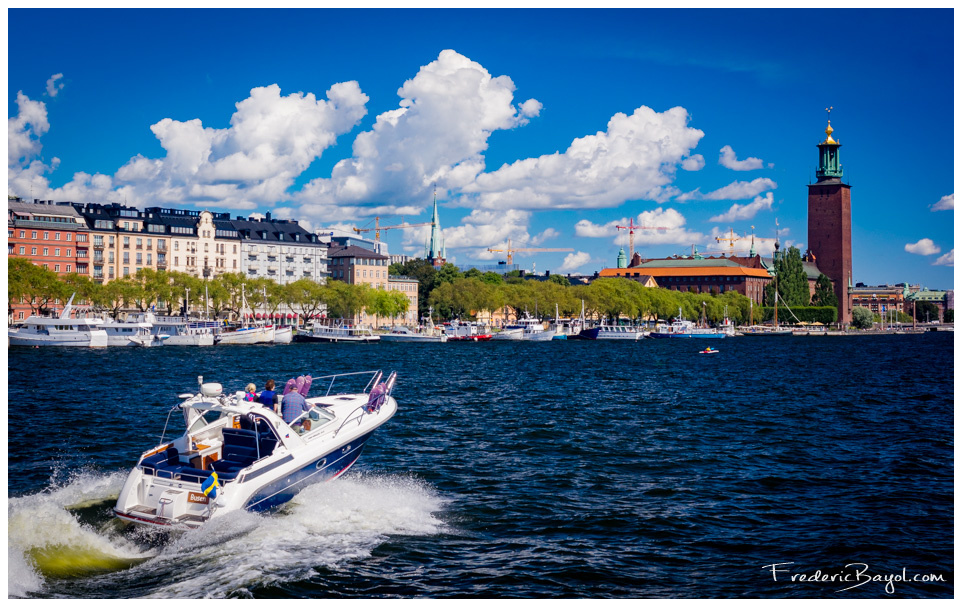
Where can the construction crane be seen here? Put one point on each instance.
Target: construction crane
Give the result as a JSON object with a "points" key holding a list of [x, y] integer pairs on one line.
{"points": [[731, 240], [378, 227], [631, 227], [511, 251]]}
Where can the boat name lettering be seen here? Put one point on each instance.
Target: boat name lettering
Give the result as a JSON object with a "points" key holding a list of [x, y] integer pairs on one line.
{"points": [[197, 498]]}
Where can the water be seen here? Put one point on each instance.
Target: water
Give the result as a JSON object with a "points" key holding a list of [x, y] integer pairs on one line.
{"points": [[529, 470]]}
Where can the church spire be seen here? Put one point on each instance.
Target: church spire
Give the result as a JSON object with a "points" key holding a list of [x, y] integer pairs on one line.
{"points": [[435, 251]]}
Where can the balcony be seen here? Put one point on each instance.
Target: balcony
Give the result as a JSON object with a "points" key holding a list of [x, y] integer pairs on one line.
{"points": [[138, 247], [161, 263], [98, 245], [161, 248]]}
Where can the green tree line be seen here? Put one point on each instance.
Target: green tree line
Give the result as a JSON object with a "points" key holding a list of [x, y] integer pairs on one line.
{"points": [[167, 292]]}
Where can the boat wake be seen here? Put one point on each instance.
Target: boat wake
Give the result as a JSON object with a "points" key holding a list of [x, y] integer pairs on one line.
{"points": [[64, 541]]}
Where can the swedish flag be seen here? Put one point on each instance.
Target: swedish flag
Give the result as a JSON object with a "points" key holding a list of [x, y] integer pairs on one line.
{"points": [[210, 486]]}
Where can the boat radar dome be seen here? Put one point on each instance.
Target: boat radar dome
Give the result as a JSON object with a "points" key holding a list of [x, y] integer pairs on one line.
{"points": [[211, 389]]}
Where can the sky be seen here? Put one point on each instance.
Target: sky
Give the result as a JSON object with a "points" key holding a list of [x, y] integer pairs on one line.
{"points": [[546, 127]]}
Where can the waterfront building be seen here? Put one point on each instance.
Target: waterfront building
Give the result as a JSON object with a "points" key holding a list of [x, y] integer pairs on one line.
{"points": [[943, 300], [880, 299], [434, 249], [281, 250], [356, 265], [408, 286], [401, 259], [698, 274], [123, 241], [830, 222], [54, 236]]}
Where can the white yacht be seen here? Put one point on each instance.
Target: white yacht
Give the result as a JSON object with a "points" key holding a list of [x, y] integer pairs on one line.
{"points": [[466, 331], [533, 330], [612, 332], [509, 333], [59, 331], [246, 336], [132, 333], [341, 333], [179, 330], [407, 335], [238, 455], [283, 335]]}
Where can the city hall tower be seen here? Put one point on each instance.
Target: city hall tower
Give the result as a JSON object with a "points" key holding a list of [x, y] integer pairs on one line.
{"points": [[830, 222]]}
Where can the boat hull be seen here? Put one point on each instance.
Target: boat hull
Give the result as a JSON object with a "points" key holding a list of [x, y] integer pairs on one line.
{"points": [[94, 339], [509, 335], [657, 335], [414, 338], [283, 335], [256, 335]]}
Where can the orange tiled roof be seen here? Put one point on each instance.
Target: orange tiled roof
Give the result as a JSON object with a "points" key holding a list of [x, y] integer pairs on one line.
{"points": [[681, 271]]}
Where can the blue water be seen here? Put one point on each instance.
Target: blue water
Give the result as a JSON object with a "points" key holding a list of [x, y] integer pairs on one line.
{"points": [[530, 470]]}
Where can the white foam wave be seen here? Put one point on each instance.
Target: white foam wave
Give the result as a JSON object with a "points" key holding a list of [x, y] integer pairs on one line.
{"points": [[41, 522], [323, 526]]}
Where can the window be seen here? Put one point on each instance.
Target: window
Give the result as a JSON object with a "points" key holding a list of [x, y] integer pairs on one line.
{"points": [[126, 227], [176, 262], [46, 252], [68, 268], [23, 234], [139, 259], [33, 235], [140, 242], [56, 267], [23, 250], [176, 245], [56, 236], [148, 258], [33, 250], [56, 252], [126, 271], [46, 235], [68, 253], [126, 257], [126, 241], [111, 240], [69, 236]]}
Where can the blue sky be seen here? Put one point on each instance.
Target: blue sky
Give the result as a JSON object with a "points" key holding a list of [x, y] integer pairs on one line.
{"points": [[548, 127]]}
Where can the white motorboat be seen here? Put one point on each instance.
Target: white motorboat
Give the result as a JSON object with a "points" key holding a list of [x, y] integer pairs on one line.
{"points": [[239, 455], [685, 329], [283, 335], [59, 331], [465, 331], [508, 334], [612, 332], [533, 330], [341, 333], [179, 330], [246, 336], [132, 333], [407, 335]]}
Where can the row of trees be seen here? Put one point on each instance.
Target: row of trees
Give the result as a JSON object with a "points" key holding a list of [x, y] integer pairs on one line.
{"points": [[168, 293]]}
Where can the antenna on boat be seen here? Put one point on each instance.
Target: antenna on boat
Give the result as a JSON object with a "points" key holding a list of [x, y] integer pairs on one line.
{"points": [[200, 380]]}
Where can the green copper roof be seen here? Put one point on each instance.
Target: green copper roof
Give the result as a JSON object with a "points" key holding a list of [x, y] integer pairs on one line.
{"points": [[688, 262]]}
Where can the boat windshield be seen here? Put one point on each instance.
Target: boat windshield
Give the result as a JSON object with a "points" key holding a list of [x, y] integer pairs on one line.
{"points": [[199, 415]]}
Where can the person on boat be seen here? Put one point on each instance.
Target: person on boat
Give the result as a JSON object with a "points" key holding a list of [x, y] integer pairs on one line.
{"points": [[250, 393], [293, 405], [268, 397]]}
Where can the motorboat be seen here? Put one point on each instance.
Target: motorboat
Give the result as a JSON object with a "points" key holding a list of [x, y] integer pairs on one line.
{"points": [[239, 455], [59, 331], [179, 330], [457, 330], [407, 335], [283, 335], [532, 329], [612, 332], [132, 333], [246, 336], [685, 329], [508, 333], [341, 333]]}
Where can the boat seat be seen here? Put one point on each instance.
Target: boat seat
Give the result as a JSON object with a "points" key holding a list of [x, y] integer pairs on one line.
{"points": [[166, 459]]}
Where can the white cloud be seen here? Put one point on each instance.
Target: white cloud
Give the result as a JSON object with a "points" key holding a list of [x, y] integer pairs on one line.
{"points": [[729, 160], [695, 162], [946, 260], [737, 190], [54, 87], [923, 247], [635, 158], [25, 129], [746, 211], [573, 261], [946, 203], [660, 226], [548, 234], [448, 111]]}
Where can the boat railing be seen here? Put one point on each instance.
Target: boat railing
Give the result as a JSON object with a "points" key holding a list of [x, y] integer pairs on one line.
{"points": [[334, 378]]}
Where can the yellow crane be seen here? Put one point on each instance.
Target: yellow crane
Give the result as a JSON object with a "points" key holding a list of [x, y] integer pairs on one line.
{"points": [[731, 240], [631, 227], [511, 251], [378, 227]]}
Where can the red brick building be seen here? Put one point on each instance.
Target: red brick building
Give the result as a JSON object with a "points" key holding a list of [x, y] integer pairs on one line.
{"points": [[830, 223]]}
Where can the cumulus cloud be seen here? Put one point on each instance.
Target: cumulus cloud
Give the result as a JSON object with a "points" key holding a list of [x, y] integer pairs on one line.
{"points": [[746, 211], [946, 203], [635, 158], [729, 160], [695, 162], [660, 226], [53, 86], [437, 135], [271, 140], [573, 261], [946, 260], [737, 190], [548, 234], [923, 247]]}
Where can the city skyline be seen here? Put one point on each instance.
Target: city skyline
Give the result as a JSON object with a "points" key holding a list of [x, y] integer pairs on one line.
{"points": [[546, 127]]}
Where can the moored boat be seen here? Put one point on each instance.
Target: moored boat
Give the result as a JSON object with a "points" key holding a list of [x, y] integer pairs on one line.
{"points": [[685, 329], [283, 335], [238, 455], [465, 331], [246, 336], [132, 333], [340, 333], [59, 331], [612, 332], [404, 334]]}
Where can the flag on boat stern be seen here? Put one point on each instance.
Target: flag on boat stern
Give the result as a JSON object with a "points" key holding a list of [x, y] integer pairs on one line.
{"points": [[210, 486]]}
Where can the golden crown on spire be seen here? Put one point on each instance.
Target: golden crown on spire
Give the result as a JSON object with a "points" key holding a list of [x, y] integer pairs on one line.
{"points": [[829, 130]]}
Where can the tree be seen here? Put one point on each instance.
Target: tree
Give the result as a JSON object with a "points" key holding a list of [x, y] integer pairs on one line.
{"points": [[449, 273], [949, 315], [426, 275], [379, 304], [473, 273], [561, 280], [926, 311], [861, 318], [399, 304], [306, 295], [824, 293], [791, 278], [492, 278]]}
